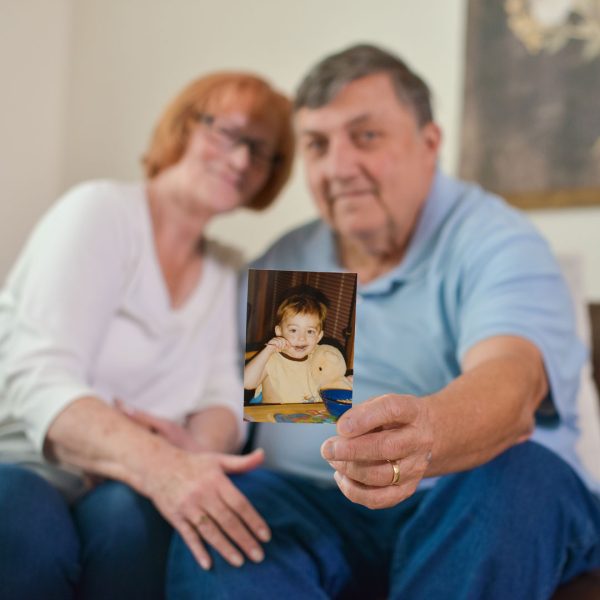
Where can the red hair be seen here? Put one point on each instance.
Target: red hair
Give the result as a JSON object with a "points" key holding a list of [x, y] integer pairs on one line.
{"points": [[217, 93]]}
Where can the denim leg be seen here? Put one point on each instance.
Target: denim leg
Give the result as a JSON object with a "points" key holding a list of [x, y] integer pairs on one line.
{"points": [[323, 546], [39, 548], [124, 543], [513, 528]]}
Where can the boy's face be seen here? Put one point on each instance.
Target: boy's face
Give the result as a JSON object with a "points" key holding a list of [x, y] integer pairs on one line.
{"points": [[302, 331]]}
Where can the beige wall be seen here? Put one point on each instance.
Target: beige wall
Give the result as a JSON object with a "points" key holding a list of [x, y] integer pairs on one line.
{"points": [[34, 51], [121, 81], [108, 66]]}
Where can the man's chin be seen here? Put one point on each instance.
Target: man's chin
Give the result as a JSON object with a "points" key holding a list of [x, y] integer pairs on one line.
{"points": [[347, 221], [359, 229]]}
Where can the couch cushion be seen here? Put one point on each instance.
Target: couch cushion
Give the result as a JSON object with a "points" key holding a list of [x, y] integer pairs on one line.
{"points": [[589, 443]]}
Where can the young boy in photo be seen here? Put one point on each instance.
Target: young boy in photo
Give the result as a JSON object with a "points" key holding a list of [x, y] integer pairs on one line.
{"points": [[292, 367]]}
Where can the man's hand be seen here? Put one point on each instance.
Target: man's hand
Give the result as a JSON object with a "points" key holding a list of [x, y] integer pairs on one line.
{"points": [[487, 409], [392, 428]]}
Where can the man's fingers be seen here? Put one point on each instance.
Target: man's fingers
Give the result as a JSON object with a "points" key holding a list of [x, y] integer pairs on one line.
{"points": [[371, 473], [374, 497], [392, 444], [390, 409], [381, 474]]}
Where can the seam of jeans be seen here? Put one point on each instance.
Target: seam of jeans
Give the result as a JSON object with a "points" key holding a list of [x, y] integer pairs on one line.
{"points": [[548, 593], [573, 548]]}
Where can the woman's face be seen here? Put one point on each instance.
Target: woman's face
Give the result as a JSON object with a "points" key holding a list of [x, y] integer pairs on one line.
{"points": [[227, 160]]}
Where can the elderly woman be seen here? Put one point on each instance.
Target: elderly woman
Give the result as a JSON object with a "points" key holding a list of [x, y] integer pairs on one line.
{"points": [[120, 396]]}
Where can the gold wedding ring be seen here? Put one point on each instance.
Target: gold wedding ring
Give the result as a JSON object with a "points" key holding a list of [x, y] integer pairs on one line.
{"points": [[202, 520], [396, 476]]}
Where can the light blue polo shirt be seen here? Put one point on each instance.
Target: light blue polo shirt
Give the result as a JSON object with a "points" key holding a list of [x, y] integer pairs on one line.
{"points": [[475, 268]]}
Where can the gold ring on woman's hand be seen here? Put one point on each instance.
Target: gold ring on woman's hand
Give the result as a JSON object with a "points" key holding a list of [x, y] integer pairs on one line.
{"points": [[202, 520]]}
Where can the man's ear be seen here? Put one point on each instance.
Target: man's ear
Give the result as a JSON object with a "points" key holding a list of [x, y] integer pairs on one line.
{"points": [[432, 135], [278, 331], [320, 336]]}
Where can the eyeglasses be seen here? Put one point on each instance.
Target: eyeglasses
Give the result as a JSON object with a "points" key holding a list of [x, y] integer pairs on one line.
{"points": [[228, 139]]}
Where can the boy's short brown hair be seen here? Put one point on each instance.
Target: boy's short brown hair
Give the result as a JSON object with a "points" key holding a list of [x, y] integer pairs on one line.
{"points": [[301, 304]]}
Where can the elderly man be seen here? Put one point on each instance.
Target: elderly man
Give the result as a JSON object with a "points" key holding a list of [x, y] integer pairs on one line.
{"points": [[465, 350]]}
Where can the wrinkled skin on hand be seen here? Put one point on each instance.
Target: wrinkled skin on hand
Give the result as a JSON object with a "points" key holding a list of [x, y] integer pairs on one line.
{"points": [[393, 428]]}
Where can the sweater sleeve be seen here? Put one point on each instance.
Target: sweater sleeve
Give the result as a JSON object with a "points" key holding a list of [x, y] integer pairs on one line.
{"points": [[225, 387], [57, 303]]}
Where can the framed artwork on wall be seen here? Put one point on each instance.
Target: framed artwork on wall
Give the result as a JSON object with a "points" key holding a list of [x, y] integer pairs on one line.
{"points": [[531, 115]]}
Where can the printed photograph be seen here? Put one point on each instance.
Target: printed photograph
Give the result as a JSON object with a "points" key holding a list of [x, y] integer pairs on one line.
{"points": [[299, 346]]}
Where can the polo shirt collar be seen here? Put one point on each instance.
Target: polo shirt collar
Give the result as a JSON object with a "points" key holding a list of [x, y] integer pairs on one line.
{"points": [[444, 193]]}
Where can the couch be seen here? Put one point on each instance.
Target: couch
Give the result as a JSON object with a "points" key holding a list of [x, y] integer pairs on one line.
{"points": [[587, 587]]}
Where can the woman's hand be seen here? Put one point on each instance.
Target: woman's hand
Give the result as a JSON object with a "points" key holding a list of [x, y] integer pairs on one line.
{"points": [[198, 499], [174, 433], [194, 493], [191, 490]]}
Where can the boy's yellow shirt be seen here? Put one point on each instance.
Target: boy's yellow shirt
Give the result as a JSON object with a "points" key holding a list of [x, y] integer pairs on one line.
{"points": [[288, 380]]}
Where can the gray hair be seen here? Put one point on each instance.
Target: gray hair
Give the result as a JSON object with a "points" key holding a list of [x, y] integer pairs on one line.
{"points": [[325, 80]]}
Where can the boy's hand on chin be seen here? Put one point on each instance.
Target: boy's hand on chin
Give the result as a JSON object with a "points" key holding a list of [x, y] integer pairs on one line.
{"points": [[279, 344]]}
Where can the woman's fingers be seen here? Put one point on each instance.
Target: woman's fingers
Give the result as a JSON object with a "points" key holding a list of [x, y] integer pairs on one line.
{"points": [[206, 527], [141, 417], [233, 515], [190, 537], [242, 507], [231, 463], [200, 500], [173, 432], [231, 525]]}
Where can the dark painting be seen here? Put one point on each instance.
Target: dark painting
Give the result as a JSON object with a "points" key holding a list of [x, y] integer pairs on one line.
{"points": [[531, 121]]}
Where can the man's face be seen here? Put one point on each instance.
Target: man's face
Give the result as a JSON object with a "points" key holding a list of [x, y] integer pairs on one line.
{"points": [[368, 163], [302, 331]]}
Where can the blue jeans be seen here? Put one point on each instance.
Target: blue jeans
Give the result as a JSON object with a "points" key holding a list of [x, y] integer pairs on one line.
{"points": [[514, 528], [112, 543]]}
